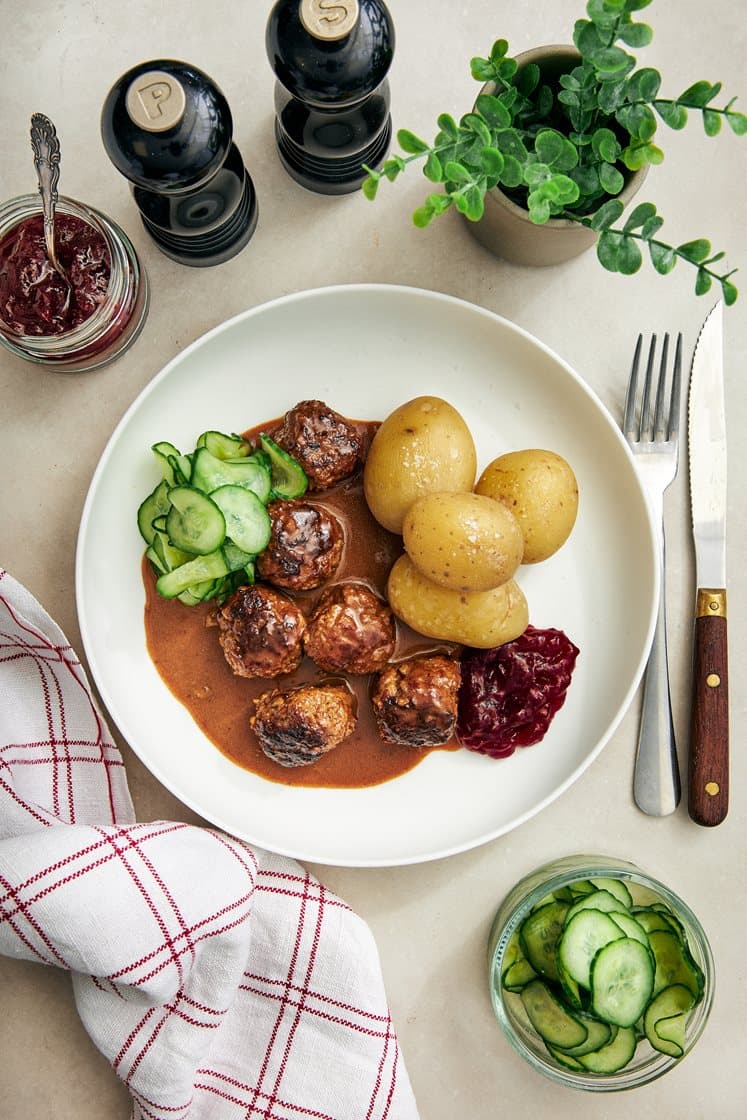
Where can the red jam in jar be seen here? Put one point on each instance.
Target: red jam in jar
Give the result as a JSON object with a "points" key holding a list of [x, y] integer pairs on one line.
{"points": [[77, 326], [34, 298]]}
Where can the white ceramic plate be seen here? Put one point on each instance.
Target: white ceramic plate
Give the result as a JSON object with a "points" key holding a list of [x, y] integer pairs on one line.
{"points": [[365, 349]]}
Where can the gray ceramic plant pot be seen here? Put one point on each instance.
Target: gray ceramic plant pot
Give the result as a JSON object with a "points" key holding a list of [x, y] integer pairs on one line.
{"points": [[505, 228]]}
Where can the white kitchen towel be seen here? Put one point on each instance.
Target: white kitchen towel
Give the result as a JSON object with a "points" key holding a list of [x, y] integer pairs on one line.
{"points": [[221, 982]]}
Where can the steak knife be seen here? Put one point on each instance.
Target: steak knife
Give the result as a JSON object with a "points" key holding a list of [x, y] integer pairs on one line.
{"points": [[708, 792]]}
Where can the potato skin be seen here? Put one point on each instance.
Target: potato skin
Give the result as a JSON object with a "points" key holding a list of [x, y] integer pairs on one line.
{"points": [[421, 447], [482, 619], [465, 542], [541, 490]]}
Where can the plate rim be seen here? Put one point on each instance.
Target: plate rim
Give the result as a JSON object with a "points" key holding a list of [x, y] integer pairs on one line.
{"points": [[326, 291]]}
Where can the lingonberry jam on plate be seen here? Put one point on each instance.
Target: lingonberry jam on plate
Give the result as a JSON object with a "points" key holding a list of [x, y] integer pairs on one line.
{"points": [[509, 695]]}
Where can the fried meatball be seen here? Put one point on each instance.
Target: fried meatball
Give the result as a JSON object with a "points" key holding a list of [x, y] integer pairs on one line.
{"points": [[261, 632], [328, 447], [297, 726], [415, 701], [351, 630], [305, 546]]}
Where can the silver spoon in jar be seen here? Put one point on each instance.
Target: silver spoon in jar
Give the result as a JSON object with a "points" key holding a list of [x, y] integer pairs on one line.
{"points": [[46, 148]]}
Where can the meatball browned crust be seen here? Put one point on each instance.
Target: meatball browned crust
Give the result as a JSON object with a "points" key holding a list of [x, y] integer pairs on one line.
{"points": [[297, 726], [415, 701], [351, 630], [305, 546], [261, 632], [328, 447]]}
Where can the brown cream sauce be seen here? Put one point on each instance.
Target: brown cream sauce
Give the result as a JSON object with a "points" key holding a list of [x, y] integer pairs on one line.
{"points": [[187, 654]]}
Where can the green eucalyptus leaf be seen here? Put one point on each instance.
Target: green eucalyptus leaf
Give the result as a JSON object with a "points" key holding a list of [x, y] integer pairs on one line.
{"points": [[611, 96], [603, 14], [643, 84], [638, 217], [638, 120], [539, 209], [635, 34], [663, 257], [492, 162], [411, 143], [433, 169], [695, 251], [370, 186], [498, 50], [475, 208], [651, 227], [448, 126], [587, 38], [536, 173], [510, 143], [636, 156], [608, 249], [672, 113], [729, 292], [482, 69], [512, 174], [474, 123], [544, 102], [391, 168], [702, 282], [605, 145], [612, 60], [493, 111], [439, 203], [423, 216], [457, 173], [569, 97], [698, 95], [586, 179], [555, 150], [610, 178], [507, 68], [711, 122], [527, 79], [737, 122], [607, 214]]}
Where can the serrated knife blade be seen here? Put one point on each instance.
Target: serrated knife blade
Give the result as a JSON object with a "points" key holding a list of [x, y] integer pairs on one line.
{"points": [[708, 785]]}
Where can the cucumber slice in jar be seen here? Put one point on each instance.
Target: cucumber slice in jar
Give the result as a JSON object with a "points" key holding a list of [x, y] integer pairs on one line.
{"points": [[552, 1022], [288, 477], [539, 935], [194, 523], [599, 1035], [247, 521], [585, 934], [595, 900], [674, 964], [665, 1021], [614, 1056], [622, 981], [629, 926], [615, 887]]}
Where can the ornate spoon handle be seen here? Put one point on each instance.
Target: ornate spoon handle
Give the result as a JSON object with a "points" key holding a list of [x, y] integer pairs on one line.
{"points": [[46, 148]]}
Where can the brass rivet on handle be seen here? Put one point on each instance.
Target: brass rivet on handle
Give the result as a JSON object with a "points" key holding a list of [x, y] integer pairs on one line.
{"points": [[714, 605], [713, 680], [712, 788]]}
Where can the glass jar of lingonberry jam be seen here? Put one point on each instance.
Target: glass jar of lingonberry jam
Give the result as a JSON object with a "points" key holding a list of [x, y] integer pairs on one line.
{"points": [[80, 323]]}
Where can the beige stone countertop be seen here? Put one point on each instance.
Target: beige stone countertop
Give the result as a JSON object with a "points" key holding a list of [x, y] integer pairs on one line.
{"points": [[430, 920]]}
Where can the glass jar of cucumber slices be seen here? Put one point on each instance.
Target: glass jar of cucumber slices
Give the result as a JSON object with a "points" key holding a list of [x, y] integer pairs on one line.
{"points": [[600, 976]]}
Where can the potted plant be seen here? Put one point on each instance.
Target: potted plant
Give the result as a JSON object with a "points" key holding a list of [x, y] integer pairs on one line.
{"points": [[561, 138]]}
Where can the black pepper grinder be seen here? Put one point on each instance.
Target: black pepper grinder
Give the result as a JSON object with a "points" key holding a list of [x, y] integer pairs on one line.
{"points": [[331, 58], [168, 128]]}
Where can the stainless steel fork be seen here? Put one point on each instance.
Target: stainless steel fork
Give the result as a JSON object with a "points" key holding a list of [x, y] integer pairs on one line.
{"points": [[651, 428]]}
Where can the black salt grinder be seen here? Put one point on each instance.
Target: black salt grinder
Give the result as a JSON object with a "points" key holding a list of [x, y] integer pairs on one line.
{"points": [[168, 128], [331, 58]]}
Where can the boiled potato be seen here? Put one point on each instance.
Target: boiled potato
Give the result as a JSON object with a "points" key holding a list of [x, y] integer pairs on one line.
{"points": [[465, 542], [473, 618], [421, 447], [540, 489]]}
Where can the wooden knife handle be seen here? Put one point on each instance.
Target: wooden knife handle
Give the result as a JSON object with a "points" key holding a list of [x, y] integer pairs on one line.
{"points": [[709, 729]]}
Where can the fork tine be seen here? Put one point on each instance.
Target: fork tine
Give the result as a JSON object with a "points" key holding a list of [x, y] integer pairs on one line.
{"points": [[646, 422], [674, 403], [660, 420], [629, 424]]}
